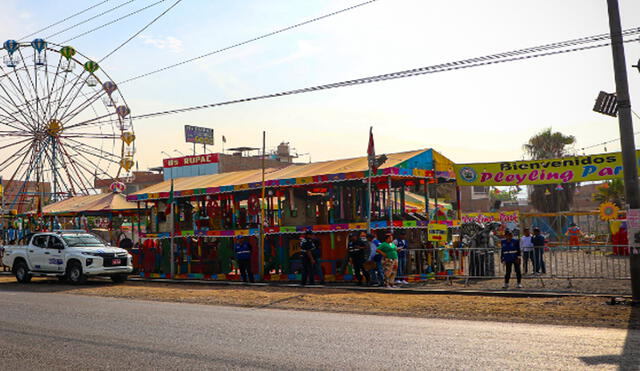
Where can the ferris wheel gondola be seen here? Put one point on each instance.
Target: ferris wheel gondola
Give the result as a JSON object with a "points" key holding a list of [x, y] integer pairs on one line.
{"points": [[63, 122]]}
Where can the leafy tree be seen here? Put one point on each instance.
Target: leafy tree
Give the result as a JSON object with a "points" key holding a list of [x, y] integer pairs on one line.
{"points": [[508, 195], [546, 145], [611, 191]]}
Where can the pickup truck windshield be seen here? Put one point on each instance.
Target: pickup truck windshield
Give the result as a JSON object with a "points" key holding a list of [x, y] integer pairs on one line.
{"points": [[85, 240]]}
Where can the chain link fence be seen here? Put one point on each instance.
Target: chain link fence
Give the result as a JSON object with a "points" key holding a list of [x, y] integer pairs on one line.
{"points": [[561, 262]]}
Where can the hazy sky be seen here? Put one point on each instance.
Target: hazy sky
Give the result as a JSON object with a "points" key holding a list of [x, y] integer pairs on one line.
{"points": [[478, 114]]}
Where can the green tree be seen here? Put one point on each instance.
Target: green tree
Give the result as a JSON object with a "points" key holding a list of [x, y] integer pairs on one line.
{"points": [[546, 145], [611, 191], [508, 195]]}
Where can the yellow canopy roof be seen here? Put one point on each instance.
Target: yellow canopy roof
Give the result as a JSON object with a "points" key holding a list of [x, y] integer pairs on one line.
{"points": [[419, 159], [103, 202]]}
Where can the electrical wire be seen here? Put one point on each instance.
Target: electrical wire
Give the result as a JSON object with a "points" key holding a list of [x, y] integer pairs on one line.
{"points": [[113, 21], [141, 30], [611, 140], [579, 41], [248, 41], [64, 20], [89, 19], [451, 66]]}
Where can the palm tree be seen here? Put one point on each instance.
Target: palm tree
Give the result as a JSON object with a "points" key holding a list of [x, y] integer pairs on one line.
{"points": [[546, 145], [611, 191]]}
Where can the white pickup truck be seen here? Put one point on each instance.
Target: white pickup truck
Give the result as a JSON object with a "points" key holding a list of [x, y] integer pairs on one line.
{"points": [[71, 255]]}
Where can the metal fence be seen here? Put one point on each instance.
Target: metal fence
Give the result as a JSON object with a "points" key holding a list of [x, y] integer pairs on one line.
{"points": [[565, 262]]}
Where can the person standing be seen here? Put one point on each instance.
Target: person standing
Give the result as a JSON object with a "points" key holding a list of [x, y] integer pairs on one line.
{"points": [[375, 274], [403, 253], [527, 250], [574, 234], [356, 248], [389, 259], [538, 241], [243, 256], [510, 256], [317, 254], [307, 246]]}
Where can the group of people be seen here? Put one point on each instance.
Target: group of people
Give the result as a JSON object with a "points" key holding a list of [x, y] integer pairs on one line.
{"points": [[379, 263], [529, 248], [374, 263]]}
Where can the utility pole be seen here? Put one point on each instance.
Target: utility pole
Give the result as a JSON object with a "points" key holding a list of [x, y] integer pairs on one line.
{"points": [[172, 245], [262, 204], [627, 141]]}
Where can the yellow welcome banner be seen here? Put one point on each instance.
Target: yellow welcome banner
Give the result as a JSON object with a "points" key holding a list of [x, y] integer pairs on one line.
{"points": [[554, 171]]}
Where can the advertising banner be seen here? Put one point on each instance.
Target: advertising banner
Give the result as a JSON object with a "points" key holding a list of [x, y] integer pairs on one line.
{"points": [[633, 230], [190, 160], [501, 217], [195, 134], [437, 232], [554, 171]]}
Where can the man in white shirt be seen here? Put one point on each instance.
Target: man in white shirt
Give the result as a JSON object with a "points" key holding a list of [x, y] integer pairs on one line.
{"points": [[527, 250]]}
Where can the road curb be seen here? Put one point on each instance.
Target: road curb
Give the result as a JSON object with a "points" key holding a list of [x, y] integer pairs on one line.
{"points": [[401, 290]]}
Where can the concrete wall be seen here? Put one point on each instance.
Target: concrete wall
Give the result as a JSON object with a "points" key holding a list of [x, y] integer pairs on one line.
{"points": [[236, 163]]}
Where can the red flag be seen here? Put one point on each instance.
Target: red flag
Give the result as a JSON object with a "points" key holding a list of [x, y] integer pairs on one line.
{"points": [[371, 152]]}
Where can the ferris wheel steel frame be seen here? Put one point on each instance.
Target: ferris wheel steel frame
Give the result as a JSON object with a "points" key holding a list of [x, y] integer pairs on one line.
{"points": [[60, 123]]}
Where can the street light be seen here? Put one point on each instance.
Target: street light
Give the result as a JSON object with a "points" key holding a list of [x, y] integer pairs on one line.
{"points": [[175, 150]]}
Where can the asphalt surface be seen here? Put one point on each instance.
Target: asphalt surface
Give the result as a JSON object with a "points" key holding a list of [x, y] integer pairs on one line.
{"points": [[61, 331]]}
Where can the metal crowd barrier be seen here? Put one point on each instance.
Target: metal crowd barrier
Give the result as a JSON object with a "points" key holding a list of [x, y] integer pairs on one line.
{"points": [[562, 262]]}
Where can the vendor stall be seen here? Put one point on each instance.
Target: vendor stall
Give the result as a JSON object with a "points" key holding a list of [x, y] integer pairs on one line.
{"points": [[330, 198]]}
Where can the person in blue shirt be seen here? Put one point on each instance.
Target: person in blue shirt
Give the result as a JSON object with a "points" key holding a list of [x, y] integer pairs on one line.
{"points": [[402, 246], [243, 255], [310, 257], [376, 274], [510, 256]]}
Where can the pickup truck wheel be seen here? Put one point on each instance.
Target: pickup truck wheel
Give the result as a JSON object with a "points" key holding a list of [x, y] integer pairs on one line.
{"points": [[21, 271], [119, 278], [75, 274]]}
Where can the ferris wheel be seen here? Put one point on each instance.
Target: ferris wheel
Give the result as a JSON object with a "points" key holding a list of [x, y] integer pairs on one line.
{"points": [[63, 123]]}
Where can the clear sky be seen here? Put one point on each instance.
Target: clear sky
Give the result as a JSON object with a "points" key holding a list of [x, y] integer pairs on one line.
{"points": [[479, 114]]}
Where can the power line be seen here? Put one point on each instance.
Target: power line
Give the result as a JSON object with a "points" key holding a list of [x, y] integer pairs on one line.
{"points": [[113, 21], [248, 41], [89, 19], [611, 140], [468, 63], [589, 39], [64, 20], [141, 30]]}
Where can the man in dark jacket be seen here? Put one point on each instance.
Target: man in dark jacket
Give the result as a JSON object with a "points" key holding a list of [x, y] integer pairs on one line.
{"points": [[538, 241], [243, 255], [307, 248], [510, 256], [356, 248]]}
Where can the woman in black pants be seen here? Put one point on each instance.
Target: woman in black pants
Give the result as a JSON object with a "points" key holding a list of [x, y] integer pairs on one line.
{"points": [[510, 256]]}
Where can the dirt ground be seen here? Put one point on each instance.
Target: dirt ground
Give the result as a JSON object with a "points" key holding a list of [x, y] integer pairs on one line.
{"points": [[580, 311], [543, 283]]}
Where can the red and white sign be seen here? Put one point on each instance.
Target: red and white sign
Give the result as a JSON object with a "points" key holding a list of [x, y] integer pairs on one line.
{"points": [[210, 158]]}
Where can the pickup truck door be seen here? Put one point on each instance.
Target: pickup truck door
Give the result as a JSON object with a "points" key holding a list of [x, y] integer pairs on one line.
{"points": [[36, 252], [54, 261]]}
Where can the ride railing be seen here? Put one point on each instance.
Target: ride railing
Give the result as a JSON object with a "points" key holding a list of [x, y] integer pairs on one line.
{"points": [[561, 262]]}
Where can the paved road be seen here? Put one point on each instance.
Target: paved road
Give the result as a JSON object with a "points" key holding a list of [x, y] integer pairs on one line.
{"points": [[55, 331]]}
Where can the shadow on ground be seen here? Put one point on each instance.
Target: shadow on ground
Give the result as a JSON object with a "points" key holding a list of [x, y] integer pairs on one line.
{"points": [[51, 285], [629, 359]]}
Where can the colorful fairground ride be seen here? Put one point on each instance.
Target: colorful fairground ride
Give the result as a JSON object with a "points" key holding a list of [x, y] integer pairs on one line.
{"points": [[63, 122]]}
